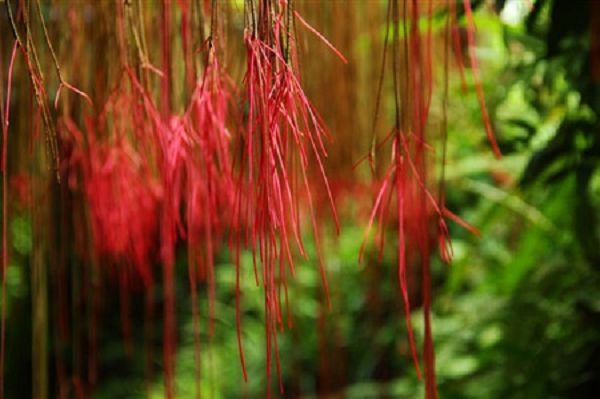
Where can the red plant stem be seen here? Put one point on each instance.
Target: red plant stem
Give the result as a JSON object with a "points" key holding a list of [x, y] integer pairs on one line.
{"points": [[282, 131], [378, 204], [374, 146], [428, 351], [167, 233], [383, 217], [428, 60], [421, 217], [238, 316], [456, 42], [419, 87], [400, 198], [476, 75], [321, 37], [416, 77], [444, 241], [237, 248], [7, 106], [465, 225]]}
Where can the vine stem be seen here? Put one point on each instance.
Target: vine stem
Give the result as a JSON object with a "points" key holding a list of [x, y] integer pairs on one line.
{"points": [[36, 82], [63, 82]]}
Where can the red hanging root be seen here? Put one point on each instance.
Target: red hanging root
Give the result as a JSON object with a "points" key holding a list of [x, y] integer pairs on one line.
{"points": [[476, 75], [152, 177], [407, 175], [283, 132]]}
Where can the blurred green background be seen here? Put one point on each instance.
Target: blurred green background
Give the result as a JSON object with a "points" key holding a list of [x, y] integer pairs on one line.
{"points": [[516, 315]]}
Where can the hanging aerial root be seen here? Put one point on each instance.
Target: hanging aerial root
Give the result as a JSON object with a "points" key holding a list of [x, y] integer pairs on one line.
{"points": [[283, 134]]}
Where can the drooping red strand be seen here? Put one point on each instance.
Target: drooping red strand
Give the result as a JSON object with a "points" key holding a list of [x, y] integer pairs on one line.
{"points": [[283, 134], [477, 77]]}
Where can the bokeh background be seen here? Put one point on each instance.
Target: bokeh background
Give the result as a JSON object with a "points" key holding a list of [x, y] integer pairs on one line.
{"points": [[516, 314]]}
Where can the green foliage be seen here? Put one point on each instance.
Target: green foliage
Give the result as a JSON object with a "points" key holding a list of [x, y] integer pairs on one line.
{"points": [[515, 316]]}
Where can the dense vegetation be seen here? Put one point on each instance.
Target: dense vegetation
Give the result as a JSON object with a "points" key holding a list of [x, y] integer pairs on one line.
{"points": [[516, 314]]}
